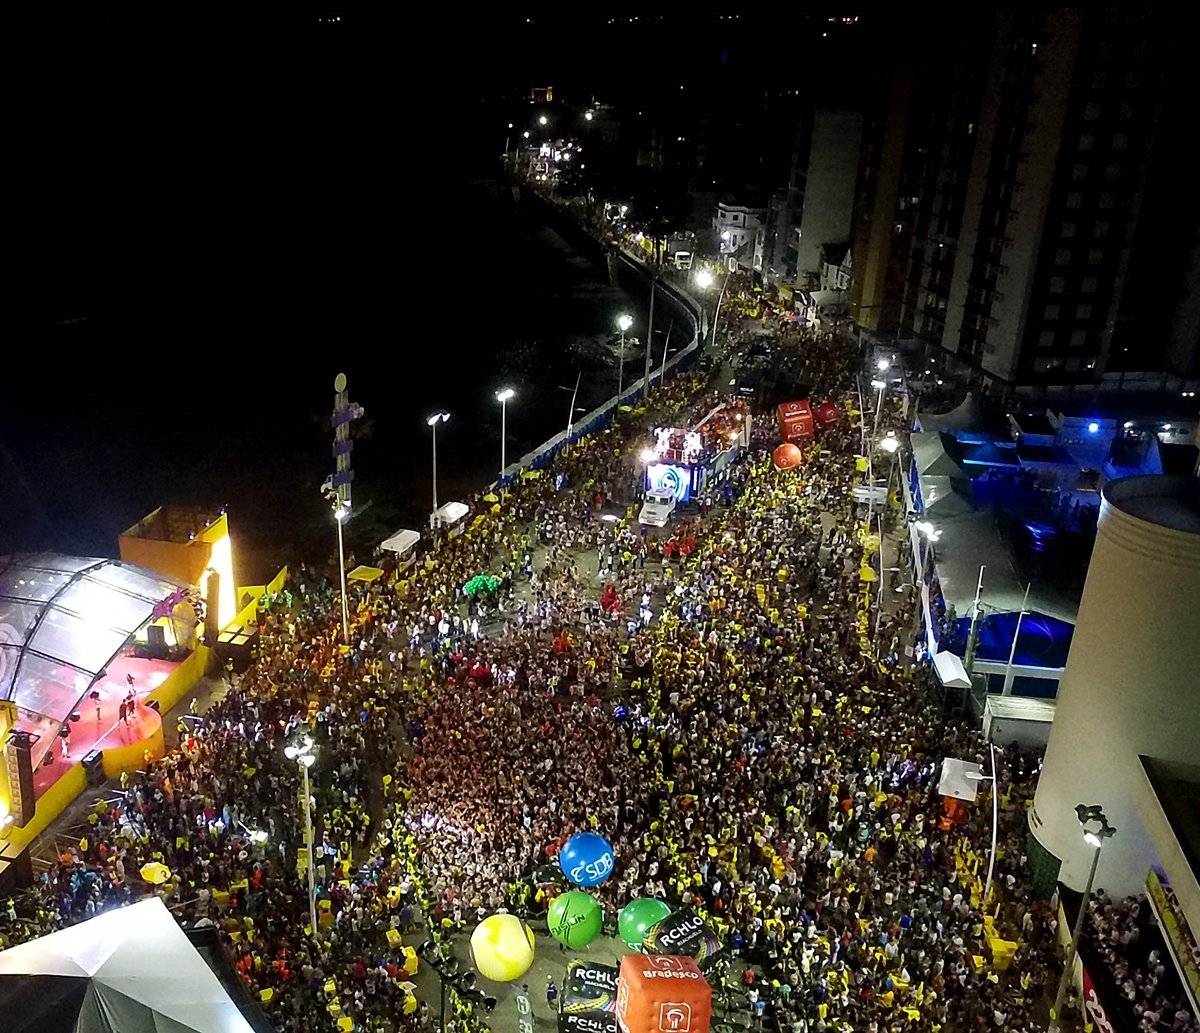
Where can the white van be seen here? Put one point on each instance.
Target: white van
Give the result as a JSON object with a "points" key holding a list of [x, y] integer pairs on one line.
{"points": [[658, 507]]}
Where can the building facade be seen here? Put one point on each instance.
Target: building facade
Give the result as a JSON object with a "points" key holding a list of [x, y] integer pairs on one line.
{"points": [[1130, 689], [1008, 212]]}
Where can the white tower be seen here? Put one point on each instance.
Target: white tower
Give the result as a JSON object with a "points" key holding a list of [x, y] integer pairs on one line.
{"points": [[1132, 683]]}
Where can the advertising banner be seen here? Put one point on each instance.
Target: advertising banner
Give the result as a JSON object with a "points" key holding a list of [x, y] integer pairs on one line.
{"points": [[1096, 1011], [662, 994], [795, 421], [685, 932], [524, 1010]]}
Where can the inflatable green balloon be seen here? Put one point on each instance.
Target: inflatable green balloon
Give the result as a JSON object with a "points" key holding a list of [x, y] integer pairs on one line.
{"points": [[502, 948], [575, 918], [637, 916]]}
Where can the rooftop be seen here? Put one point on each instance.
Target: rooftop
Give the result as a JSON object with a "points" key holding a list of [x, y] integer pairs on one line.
{"points": [[1171, 502], [172, 524]]}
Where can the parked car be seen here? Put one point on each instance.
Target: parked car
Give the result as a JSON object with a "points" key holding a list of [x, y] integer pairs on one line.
{"points": [[657, 507]]}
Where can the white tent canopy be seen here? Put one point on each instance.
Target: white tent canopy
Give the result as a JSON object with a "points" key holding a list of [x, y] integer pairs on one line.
{"points": [[400, 542], [449, 513], [960, 779], [131, 970], [950, 671]]}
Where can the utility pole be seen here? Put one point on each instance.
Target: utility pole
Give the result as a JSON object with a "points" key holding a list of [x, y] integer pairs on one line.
{"points": [[973, 635], [1009, 677], [649, 336]]}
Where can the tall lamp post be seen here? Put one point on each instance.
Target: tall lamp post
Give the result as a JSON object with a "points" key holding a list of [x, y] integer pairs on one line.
{"points": [[341, 512], [624, 322], [433, 421], [995, 780], [502, 397], [1087, 815], [303, 755], [880, 386], [440, 957]]}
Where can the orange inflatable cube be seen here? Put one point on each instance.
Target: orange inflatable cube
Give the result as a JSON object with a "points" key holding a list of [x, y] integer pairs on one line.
{"points": [[662, 993]]}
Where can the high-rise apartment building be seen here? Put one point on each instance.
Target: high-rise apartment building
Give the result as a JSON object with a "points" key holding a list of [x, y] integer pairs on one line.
{"points": [[1023, 211]]}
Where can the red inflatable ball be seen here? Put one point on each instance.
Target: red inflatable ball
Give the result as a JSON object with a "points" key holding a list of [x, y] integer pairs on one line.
{"points": [[787, 456], [827, 413]]}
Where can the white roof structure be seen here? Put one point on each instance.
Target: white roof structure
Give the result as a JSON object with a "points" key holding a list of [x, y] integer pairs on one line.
{"points": [[450, 513], [400, 542], [62, 619], [131, 970]]}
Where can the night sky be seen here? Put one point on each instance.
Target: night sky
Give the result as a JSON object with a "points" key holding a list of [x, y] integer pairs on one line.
{"points": [[209, 215]]}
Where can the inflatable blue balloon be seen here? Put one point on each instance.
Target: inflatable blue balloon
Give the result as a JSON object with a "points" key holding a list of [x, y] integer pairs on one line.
{"points": [[586, 859]]}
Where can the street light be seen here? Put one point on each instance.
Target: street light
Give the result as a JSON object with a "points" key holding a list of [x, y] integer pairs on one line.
{"points": [[542, 120], [704, 279], [502, 396], [588, 115], [880, 386], [1087, 814], [883, 364], [889, 443], [303, 755], [995, 779], [624, 322], [440, 957], [433, 421], [341, 512]]}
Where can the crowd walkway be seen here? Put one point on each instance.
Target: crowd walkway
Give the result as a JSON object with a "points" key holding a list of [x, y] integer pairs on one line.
{"points": [[716, 708]]}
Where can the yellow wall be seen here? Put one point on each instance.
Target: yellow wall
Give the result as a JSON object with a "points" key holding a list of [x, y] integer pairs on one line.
{"points": [[188, 561], [133, 756], [50, 805], [248, 614], [181, 680]]}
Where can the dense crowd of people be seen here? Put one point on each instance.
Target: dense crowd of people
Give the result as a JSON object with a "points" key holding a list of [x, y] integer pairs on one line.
{"points": [[716, 700]]}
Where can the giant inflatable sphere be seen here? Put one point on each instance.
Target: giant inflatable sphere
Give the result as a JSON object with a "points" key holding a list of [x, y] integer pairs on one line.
{"points": [[787, 456], [502, 948], [575, 918], [586, 859], [637, 917]]}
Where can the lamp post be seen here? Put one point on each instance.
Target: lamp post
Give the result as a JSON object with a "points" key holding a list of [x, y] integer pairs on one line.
{"points": [[502, 396], [880, 386], [340, 513], [433, 421], [973, 633], [303, 755], [704, 279], [995, 779], [447, 967], [1009, 677], [624, 322], [1087, 814]]}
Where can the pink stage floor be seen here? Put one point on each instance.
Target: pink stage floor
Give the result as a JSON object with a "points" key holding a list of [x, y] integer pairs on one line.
{"points": [[108, 730]]}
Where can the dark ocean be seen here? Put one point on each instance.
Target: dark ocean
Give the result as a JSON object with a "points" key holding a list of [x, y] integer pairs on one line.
{"points": [[200, 243], [130, 402]]}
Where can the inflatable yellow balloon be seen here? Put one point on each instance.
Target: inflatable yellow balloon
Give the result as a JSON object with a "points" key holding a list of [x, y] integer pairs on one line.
{"points": [[502, 948]]}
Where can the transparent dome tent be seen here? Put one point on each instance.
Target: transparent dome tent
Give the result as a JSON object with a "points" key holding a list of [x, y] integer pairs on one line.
{"points": [[62, 620]]}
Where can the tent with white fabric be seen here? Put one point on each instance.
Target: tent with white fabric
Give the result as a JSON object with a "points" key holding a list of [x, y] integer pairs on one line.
{"points": [[131, 970], [400, 542]]}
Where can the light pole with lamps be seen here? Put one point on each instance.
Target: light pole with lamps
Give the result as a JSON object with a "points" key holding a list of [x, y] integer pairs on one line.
{"points": [[995, 780], [624, 322], [303, 755], [341, 510], [433, 421], [502, 397], [880, 386], [1087, 814]]}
